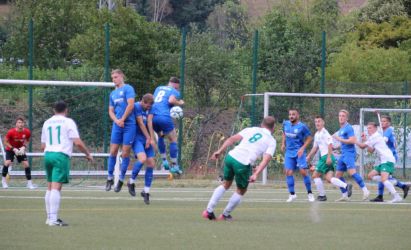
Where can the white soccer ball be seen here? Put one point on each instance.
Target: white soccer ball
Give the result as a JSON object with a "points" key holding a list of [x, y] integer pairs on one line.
{"points": [[176, 112]]}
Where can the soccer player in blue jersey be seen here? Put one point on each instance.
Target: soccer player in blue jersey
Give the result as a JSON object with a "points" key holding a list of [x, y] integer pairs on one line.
{"points": [[143, 150], [295, 139], [124, 125], [161, 122], [389, 137], [346, 162]]}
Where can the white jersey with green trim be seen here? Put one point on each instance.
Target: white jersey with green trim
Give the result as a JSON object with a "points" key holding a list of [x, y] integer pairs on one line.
{"points": [[256, 142], [58, 134], [377, 142], [322, 139]]}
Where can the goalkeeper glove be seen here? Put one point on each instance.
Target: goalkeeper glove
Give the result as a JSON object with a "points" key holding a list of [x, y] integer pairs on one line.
{"points": [[16, 151], [22, 150]]}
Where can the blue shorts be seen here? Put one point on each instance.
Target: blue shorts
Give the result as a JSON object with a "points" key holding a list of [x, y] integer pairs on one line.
{"points": [[294, 163], [124, 136], [163, 123], [346, 162], [139, 147]]}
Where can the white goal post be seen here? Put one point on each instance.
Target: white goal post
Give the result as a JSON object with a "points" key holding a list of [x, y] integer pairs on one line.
{"points": [[267, 96]]}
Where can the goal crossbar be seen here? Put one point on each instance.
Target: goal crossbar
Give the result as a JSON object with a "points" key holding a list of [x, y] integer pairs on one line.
{"points": [[55, 83]]}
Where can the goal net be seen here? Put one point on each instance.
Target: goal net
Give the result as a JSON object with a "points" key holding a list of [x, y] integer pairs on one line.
{"points": [[87, 106], [255, 107]]}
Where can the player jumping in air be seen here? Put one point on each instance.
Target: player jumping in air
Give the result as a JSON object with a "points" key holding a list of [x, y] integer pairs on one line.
{"points": [[143, 150], [161, 122]]}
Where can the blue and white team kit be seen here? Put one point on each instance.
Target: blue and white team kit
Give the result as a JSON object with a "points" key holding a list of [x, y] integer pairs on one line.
{"points": [[162, 120], [118, 100], [295, 137], [348, 154], [140, 139]]}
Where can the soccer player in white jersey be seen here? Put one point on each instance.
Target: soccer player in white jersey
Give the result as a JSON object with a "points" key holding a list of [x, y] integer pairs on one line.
{"points": [[255, 142], [326, 164], [57, 138], [380, 173]]}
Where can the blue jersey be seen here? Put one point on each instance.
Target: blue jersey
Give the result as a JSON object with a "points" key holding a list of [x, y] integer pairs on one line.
{"points": [[161, 95], [140, 112], [295, 135], [390, 140], [346, 132], [118, 100]]}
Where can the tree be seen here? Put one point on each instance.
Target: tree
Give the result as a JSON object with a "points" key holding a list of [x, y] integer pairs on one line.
{"points": [[191, 11], [356, 64], [147, 52], [382, 10], [230, 20], [55, 23]]}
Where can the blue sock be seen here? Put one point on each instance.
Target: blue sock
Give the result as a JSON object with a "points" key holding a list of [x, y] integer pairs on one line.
{"points": [[359, 180], [148, 178], [123, 168], [399, 183], [290, 184], [380, 188], [136, 169], [343, 190], [307, 182], [161, 145], [111, 164], [173, 151]]}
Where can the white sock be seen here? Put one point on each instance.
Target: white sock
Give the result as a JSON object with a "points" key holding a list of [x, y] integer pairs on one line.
{"points": [[54, 204], [173, 161], [365, 189], [218, 193], [146, 190], [376, 178], [320, 186], [339, 183], [131, 181], [232, 203], [47, 201], [29, 182], [164, 156], [3, 179], [390, 187]]}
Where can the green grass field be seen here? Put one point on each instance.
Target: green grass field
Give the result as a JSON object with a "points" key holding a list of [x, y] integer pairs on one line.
{"points": [[108, 220]]}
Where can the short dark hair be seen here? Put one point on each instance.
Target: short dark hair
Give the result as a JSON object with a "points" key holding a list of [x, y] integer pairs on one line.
{"points": [[268, 122], [60, 106], [319, 117], [372, 124], [294, 109], [148, 98], [117, 71], [20, 118], [174, 79], [386, 117]]}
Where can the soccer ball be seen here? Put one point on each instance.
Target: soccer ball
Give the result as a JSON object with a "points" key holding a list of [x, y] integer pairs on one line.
{"points": [[176, 112]]}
